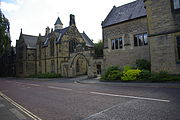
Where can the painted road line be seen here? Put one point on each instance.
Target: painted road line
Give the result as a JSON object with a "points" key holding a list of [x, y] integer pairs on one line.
{"points": [[33, 84], [100, 113], [18, 114], [36, 85], [59, 88], [132, 97], [30, 114]]}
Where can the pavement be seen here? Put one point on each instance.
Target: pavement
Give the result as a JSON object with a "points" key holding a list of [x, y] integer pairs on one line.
{"points": [[10, 112], [86, 80]]}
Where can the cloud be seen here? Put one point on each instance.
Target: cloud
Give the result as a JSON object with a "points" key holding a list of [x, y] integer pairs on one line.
{"points": [[33, 16], [9, 7]]}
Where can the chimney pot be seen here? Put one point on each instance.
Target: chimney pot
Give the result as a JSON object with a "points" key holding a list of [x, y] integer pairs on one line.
{"points": [[72, 20]]}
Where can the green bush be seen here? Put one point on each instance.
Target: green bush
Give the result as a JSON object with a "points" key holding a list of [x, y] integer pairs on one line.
{"points": [[46, 75], [112, 73], [126, 68], [144, 75], [143, 64], [131, 75], [163, 77]]}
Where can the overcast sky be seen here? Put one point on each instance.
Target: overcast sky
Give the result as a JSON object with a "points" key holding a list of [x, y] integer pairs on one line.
{"points": [[33, 16]]}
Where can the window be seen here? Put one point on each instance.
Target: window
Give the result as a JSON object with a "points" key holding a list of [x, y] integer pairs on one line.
{"points": [[52, 47], [113, 44], [117, 43], [178, 47], [176, 4], [140, 39], [72, 45], [77, 66], [52, 66]]}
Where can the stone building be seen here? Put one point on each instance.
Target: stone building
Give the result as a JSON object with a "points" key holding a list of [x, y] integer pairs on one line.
{"points": [[164, 34], [125, 35], [63, 51], [143, 30], [26, 55]]}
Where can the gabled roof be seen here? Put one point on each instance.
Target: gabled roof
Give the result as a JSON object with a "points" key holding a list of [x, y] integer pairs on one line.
{"points": [[58, 21], [58, 33], [88, 41], [30, 41], [125, 12]]}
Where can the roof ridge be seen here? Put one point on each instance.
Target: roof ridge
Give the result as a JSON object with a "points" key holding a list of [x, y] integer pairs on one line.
{"points": [[127, 3], [29, 35], [124, 13]]}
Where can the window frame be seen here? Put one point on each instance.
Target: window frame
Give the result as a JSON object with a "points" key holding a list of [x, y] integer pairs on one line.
{"points": [[117, 43], [173, 6], [141, 40], [178, 48]]}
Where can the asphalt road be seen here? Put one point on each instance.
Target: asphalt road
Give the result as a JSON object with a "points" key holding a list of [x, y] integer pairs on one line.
{"points": [[65, 100]]}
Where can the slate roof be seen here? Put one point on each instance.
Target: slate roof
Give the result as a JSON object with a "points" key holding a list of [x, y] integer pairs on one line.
{"points": [[125, 12], [58, 33], [30, 41], [88, 41], [58, 21]]}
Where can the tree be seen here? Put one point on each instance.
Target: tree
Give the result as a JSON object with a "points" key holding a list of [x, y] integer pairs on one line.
{"points": [[4, 31], [99, 49]]}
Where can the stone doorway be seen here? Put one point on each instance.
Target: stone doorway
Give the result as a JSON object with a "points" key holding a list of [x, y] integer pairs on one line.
{"points": [[81, 66], [98, 67]]}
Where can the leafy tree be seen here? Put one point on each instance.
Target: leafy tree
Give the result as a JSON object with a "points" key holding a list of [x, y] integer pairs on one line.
{"points": [[4, 29], [99, 49]]}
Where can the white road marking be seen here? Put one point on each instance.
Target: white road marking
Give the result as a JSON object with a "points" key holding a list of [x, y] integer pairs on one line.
{"points": [[19, 115], [28, 84], [34, 117], [101, 112], [133, 97], [59, 88], [33, 85]]}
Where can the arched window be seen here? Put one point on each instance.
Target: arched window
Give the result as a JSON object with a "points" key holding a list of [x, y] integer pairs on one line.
{"points": [[72, 45], [77, 66], [51, 47]]}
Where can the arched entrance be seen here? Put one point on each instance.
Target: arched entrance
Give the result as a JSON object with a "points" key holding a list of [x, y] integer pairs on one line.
{"points": [[98, 67], [80, 65]]}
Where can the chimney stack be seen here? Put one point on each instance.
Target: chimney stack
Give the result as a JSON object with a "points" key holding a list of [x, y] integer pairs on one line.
{"points": [[72, 20], [47, 31]]}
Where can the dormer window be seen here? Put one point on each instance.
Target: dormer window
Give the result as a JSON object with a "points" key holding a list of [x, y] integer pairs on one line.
{"points": [[176, 4]]}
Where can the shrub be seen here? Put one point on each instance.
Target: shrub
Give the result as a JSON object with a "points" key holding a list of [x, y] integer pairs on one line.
{"points": [[126, 68], [143, 64], [112, 73], [131, 75], [161, 76], [144, 75]]}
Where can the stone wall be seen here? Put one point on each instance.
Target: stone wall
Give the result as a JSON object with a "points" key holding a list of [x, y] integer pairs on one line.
{"points": [[164, 27], [129, 53]]}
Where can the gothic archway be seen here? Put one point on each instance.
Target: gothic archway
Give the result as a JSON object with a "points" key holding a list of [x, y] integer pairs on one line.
{"points": [[79, 65]]}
